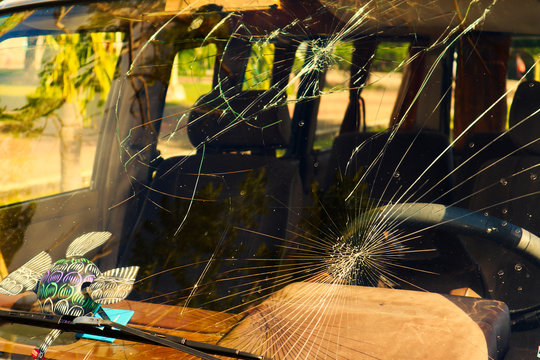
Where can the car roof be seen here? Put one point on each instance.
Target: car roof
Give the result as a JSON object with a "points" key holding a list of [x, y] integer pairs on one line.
{"points": [[169, 5], [392, 17], [8, 4], [435, 17]]}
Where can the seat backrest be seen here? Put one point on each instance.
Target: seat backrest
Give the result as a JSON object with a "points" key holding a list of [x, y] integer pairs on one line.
{"points": [[249, 120], [222, 214], [483, 148], [521, 151], [508, 187], [393, 169], [480, 148]]}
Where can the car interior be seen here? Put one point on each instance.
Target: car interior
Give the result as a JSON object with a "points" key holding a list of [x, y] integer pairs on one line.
{"points": [[249, 201]]}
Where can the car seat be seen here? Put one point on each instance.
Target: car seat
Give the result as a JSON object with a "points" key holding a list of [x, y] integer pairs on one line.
{"points": [[394, 169], [508, 187], [209, 215]]}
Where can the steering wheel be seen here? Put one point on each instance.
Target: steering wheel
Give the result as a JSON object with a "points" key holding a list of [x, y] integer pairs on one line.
{"points": [[462, 221], [465, 222]]}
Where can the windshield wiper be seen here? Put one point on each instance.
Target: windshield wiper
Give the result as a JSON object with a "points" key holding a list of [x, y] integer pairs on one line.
{"points": [[96, 326]]}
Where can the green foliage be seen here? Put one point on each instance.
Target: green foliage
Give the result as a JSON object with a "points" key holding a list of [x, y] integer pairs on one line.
{"points": [[197, 61], [343, 55], [390, 56], [259, 67], [58, 73], [324, 141], [9, 22], [299, 58], [215, 228], [22, 120], [81, 69], [76, 68]]}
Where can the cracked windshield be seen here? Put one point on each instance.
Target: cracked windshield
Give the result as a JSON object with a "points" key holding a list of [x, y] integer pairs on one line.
{"points": [[309, 179]]}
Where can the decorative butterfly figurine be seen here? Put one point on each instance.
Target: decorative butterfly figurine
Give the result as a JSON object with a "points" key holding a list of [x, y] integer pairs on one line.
{"points": [[72, 286]]}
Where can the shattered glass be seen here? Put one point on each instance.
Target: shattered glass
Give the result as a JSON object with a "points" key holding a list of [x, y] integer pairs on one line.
{"points": [[295, 179]]}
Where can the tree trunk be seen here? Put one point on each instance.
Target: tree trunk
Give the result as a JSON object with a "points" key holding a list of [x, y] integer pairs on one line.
{"points": [[70, 147]]}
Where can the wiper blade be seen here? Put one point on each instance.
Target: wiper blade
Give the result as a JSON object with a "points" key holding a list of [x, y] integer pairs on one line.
{"points": [[96, 326]]}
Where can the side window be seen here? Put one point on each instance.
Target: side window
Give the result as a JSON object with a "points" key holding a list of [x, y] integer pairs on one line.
{"points": [[522, 63], [378, 95], [52, 96], [512, 60], [334, 97], [191, 77], [381, 91], [259, 67]]}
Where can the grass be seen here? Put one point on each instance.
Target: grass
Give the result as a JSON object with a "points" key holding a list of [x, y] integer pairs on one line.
{"points": [[16, 90]]}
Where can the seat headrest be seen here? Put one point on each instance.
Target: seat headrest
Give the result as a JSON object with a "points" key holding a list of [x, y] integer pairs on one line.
{"points": [[243, 121], [526, 102]]}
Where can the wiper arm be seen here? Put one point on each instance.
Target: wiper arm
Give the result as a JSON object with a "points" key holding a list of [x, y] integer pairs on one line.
{"points": [[96, 326]]}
